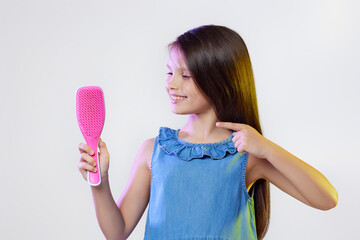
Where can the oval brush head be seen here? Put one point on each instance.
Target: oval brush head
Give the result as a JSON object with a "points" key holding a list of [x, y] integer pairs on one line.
{"points": [[90, 113]]}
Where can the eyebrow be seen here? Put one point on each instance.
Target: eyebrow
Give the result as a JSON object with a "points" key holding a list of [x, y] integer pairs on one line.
{"points": [[180, 68]]}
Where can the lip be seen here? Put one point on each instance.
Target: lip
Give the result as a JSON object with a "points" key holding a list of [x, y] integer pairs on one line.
{"points": [[175, 95], [175, 100]]}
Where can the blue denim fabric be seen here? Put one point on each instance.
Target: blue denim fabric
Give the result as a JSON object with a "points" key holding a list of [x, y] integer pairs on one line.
{"points": [[198, 191]]}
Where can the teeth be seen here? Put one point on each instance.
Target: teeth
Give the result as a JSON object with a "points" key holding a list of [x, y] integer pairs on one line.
{"points": [[177, 98]]}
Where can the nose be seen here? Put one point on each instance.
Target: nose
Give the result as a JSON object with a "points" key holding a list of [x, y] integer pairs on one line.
{"points": [[172, 81]]}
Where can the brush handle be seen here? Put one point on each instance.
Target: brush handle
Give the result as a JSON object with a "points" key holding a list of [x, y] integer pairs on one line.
{"points": [[94, 178]]}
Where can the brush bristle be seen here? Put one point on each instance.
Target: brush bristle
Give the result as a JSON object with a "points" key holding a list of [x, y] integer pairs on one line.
{"points": [[90, 110]]}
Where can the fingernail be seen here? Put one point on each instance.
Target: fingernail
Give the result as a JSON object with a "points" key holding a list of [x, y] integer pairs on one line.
{"points": [[91, 152]]}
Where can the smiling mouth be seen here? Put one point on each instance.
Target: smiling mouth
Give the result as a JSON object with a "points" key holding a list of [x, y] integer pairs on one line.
{"points": [[176, 98]]}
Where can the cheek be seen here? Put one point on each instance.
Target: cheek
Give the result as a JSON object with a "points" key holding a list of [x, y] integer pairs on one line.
{"points": [[199, 100], [192, 89], [200, 97], [194, 94]]}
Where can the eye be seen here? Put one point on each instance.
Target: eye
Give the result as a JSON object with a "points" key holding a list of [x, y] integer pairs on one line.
{"points": [[185, 76], [169, 73]]}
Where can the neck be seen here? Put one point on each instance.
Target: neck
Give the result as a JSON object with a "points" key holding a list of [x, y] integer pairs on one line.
{"points": [[201, 128]]}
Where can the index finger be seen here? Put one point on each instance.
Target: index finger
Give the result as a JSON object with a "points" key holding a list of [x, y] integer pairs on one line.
{"points": [[230, 125], [85, 148]]}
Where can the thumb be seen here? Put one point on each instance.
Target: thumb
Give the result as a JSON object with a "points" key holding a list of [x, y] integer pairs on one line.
{"points": [[103, 149], [101, 144]]}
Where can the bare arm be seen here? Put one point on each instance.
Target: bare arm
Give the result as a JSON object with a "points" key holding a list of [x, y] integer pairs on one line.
{"points": [[298, 178], [110, 219], [289, 173], [258, 168], [117, 221], [133, 201]]}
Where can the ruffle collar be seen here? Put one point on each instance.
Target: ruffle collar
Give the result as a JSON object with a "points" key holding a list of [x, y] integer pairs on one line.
{"points": [[170, 143]]}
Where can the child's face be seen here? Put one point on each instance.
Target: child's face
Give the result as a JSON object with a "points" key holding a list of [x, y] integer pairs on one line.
{"points": [[181, 83]]}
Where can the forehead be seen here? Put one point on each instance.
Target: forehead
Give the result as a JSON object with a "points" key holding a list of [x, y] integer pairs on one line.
{"points": [[177, 59]]}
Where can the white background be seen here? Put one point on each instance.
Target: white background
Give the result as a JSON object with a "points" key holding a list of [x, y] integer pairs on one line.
{"points": [[305, 56]]}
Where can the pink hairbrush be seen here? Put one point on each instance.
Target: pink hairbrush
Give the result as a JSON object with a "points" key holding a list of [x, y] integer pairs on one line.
{"points": [[90, 113]]}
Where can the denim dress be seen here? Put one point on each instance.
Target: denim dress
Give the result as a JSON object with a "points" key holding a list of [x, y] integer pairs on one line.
{"points": [[198, 191]]}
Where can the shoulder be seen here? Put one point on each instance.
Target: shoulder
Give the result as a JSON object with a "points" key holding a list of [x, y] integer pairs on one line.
{"points": [[259, 168], [255, 169], [148, 143], [146, 150]]}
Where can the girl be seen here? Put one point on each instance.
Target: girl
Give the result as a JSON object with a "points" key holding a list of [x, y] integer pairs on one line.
{"points": [[209, 179]]}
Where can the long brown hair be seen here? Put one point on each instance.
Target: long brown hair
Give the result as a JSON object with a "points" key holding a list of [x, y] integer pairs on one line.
{"points": [[219, 61]]}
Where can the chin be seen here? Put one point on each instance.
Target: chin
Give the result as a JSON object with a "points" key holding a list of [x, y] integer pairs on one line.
{"points": [[180, 112]]}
